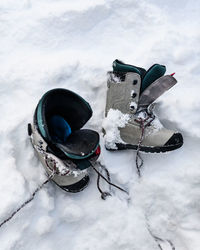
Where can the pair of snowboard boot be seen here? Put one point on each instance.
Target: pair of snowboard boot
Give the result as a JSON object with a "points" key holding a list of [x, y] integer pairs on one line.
{"points": [[66, 150]]}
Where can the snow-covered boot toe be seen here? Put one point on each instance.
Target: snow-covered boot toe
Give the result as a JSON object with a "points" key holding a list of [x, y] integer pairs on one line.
{"points": [[130, 121]]}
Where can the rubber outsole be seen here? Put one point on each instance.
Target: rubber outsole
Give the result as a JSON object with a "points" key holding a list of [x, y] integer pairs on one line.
{"points": [[77, 187], [163, 149], [146, 149], [175, 142]]}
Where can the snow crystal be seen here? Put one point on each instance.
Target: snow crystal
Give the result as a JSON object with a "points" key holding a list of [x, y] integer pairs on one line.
{"points": [[115, 119], [46, 201], [157, 125], [43, 225], [113, 78], [72, 213]]}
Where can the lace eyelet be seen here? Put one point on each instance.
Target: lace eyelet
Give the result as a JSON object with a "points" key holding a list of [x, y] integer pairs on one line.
{"points": [[135, 82]]}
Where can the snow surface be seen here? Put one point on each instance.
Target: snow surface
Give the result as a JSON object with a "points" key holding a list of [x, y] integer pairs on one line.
{"points": [[58, 43]]}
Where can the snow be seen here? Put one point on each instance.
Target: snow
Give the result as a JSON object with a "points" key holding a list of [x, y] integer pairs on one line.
{"points": [[43, 225], [71, 44], [115, 119], [132, 92]]}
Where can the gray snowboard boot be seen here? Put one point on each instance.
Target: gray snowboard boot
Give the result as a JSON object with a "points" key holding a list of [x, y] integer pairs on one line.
{"points": [[130, 122]]}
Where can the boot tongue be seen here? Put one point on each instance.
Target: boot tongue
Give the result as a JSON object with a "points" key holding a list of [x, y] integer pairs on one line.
{"points": [[152, 74], [148, 77], [156, 89], [120, 67]]}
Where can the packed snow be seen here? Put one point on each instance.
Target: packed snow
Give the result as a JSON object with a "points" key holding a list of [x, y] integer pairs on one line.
{"points": [[114, 120], [49, 44]]}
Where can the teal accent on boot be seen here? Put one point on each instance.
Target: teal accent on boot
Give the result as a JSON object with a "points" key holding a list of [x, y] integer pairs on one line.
{"points": [[59, 128], [83, 164], [40, 120], [154, 72], [119, 66]]}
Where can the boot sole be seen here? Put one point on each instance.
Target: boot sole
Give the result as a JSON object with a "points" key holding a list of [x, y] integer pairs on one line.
{"points": [[163, 149], [77, 187]]}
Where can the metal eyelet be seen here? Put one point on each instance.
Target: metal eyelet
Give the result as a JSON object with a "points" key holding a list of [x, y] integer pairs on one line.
{"points": [[132, 108], [135, 82]]}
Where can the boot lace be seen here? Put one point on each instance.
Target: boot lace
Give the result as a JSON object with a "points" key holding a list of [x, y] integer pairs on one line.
{"points": [[104, 194], [145, 118]]}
